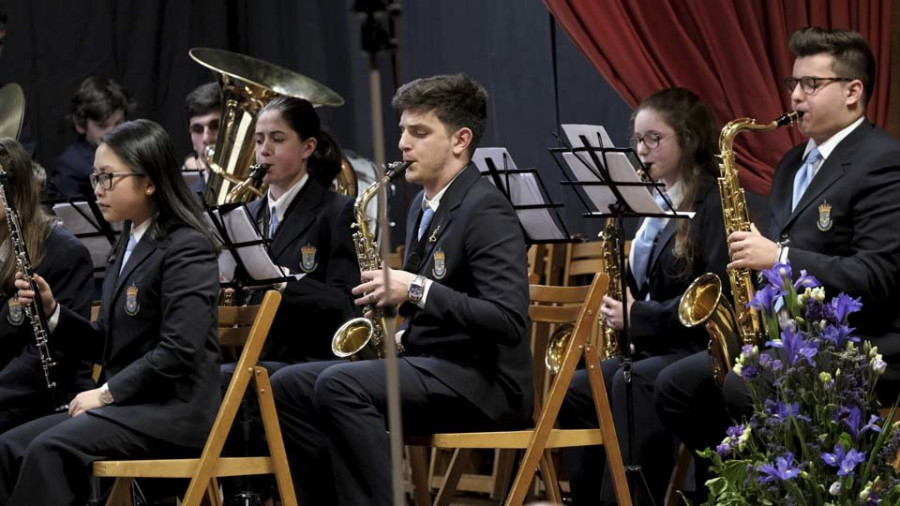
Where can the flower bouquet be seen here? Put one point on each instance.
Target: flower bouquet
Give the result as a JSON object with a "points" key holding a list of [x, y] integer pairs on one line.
{"points": [[815, 436]]}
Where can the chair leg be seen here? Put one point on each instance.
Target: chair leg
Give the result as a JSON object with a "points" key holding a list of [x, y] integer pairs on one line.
{"points": [[418, 473], [452, 476], [273, 436], [120, 494], [682, 462], [504, 462], [551, 482]]}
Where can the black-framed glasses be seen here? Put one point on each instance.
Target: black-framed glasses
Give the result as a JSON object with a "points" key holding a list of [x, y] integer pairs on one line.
{"points": [[811, 84], [650, 139], [105, 179]]}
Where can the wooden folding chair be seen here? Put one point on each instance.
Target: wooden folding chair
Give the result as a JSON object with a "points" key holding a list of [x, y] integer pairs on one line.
{"points": [[245, 326], [544, 436]]}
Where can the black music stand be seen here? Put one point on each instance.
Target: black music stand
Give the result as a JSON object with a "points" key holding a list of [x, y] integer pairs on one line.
{"points": [[538, 214], [83, 219], [624, 194]]}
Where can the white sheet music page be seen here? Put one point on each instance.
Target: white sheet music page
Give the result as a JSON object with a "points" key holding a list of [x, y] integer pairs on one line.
{"points": [[593, 133], [638, 198], [255, 258], [601, 197]]}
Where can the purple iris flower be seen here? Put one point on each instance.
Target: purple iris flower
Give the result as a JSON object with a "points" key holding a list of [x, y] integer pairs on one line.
{"points": [[845, 461], [843, 305], [795, 346], [852, 418], [775, 276], [785, 410], [839, 335], [764, 298], [782, 470], [806, 280]]}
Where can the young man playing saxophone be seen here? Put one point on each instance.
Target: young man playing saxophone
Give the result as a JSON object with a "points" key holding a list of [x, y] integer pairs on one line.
{"points": [[835, 204], [464, 294]]}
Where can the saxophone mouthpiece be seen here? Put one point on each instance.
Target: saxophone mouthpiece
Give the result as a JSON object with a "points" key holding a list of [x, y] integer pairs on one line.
{"points": [[789, 118], [394, 169]]}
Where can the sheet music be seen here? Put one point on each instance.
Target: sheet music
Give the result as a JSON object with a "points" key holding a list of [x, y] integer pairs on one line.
{"points": [[539, 225], [594, 134], [78, 218], [500, 156], [255, 257], [638, 198], [191, 176], [600, 196]]}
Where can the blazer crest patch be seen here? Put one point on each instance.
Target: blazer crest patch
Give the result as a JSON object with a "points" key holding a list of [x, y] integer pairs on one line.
{"points": [[131, 304], [824, 222], [308, 258], [440, 266], [16, 315]]}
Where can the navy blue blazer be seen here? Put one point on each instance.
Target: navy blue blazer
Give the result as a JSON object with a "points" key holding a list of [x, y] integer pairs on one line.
{"points": [[67, 268], [157, 337], [475, 321], [654, 324], [69, 172], [844, 232], [315, 238]]}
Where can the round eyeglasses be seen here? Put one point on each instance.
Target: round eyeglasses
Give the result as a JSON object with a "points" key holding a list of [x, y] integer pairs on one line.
{"points": [[650, 139]]}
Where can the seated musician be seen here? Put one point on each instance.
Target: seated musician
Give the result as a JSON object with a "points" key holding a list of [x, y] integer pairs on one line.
{"points": [[854, 167], [156, 336], [203, 108], [464, 295], [675, 135], [65, 263]]}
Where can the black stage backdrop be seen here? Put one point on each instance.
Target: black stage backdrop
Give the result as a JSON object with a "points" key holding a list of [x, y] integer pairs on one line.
{"points": [[52, 45]]}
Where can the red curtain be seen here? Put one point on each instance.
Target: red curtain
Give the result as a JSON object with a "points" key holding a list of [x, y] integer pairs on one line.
{"points": [[733, 54]]}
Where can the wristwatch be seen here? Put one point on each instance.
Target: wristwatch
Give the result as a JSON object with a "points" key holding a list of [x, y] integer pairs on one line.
{"points": [[416, 289], [105, 395]]}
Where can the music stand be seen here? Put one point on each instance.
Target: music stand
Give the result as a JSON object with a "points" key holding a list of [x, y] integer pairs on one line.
{"points": [[83, 219], [245, 260], [617, 187], [538, 214]]}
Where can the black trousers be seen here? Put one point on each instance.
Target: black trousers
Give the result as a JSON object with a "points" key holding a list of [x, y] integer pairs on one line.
{"points": [[48, 461], [653, 447], [23, 392], [333, 418]]}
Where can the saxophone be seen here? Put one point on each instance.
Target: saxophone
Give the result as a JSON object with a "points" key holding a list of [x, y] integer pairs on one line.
{"points": [[363, 338], [729, 327], [249, 188], [35, 310], [559, 340]]}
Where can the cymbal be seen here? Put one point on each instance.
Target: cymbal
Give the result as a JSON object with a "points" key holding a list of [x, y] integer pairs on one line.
{"points": [[266, 75], [12, 110]]}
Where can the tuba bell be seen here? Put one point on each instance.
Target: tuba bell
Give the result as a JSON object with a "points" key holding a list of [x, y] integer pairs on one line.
{"points": [[247, 85]]}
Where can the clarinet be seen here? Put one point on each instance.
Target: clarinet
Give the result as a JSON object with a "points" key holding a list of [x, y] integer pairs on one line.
{"points": [[35, 310]]}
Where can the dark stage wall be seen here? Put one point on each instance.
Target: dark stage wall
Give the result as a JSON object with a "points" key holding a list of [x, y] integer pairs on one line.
{"points": [[53, 44]]}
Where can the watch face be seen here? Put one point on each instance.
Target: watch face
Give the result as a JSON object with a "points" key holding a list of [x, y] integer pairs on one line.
{"points": [[416, 288]]}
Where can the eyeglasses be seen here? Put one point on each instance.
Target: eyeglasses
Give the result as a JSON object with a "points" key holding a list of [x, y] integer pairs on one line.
{"points": [[105, 179], [810, 84], [650, 139]]}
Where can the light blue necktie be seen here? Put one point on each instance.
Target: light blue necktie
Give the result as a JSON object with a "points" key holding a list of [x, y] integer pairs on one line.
{"points": [[128, 249], [273, 223], [643, 244], [805, 175], [426, 219]]}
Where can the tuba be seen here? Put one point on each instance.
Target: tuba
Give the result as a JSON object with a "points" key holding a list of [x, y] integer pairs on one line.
{"points": [[247, 85], [363, 338], [729, 327]]}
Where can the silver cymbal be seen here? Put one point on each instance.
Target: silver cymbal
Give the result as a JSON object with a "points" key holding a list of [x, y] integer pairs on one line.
{"points": [[266, 75], [12, 110]]}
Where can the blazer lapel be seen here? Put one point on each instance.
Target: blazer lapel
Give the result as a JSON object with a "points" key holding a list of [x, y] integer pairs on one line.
{"points": [[449, 202], [299, 216], [411, 220], [144, 248]]}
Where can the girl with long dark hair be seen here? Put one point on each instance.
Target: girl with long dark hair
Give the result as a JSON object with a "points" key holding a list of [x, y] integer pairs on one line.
{"points": [[155, 338]]}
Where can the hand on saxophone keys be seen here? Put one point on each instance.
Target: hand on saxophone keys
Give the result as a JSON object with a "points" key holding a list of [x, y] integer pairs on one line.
{"points": [[611, 310], [750, 250], [372, 290]]}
